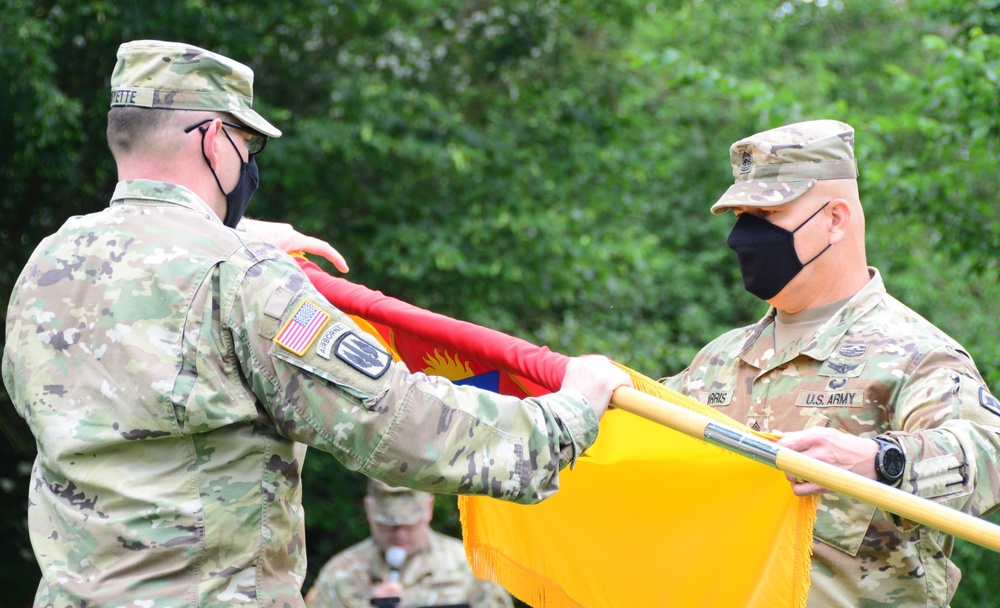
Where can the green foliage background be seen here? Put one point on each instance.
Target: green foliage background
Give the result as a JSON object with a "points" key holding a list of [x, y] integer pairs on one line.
{"points": [[542, 167]]}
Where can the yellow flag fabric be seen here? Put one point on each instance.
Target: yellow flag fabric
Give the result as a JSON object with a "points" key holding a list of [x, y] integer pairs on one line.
{"points": [[650, 517]]}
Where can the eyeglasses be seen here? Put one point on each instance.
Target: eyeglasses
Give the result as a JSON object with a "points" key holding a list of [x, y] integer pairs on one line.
{"points": [[256, 143]]}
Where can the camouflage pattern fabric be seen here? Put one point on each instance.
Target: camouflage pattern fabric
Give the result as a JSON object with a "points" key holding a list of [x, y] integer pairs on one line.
{"points": [[439, 576], [778, 166], [177, 76], [170, 375], [875, 367]]}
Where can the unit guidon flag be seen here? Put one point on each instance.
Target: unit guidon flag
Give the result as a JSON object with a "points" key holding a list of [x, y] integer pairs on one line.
{"points": [[648, 517]]}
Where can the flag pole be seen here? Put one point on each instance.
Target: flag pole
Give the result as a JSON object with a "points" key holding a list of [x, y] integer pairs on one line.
{"points": [[547, 368], [887, 498]]}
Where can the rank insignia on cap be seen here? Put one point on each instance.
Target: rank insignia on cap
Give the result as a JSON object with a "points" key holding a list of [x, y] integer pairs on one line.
{"points": [[362, 355], [301, 330]]}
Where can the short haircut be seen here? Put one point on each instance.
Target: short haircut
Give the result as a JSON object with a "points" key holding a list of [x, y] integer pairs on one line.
{"points": [[132, 128]]}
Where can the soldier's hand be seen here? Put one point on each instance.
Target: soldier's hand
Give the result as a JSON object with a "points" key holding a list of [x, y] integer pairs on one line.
{"points": [[388, 588], [849, 452], [291, 240], [596, 378]]}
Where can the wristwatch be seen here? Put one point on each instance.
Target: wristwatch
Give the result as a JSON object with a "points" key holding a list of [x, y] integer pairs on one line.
{"points": [[889, 461]]}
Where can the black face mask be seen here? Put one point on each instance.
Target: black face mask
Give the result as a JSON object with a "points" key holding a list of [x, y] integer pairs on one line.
{"points": [[237, 199], [766, 254]]}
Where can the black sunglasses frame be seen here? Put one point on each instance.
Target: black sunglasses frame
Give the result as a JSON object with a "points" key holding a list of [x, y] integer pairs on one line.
{"points": [[256, 143]]}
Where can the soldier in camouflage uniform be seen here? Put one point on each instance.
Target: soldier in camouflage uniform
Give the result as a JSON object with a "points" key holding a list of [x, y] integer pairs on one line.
{"points": [[848, 373], [435, 571], [173, 370]]}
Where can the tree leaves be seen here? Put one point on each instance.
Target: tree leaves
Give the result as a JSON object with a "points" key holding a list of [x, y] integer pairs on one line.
{"points": [[544, 168]]}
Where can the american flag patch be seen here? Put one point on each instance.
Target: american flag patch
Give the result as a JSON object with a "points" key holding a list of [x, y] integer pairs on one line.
{"points": [[303, 328]]}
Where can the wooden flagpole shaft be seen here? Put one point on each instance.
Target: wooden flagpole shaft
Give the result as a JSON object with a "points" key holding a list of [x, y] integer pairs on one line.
{"points": [[892, 500]]}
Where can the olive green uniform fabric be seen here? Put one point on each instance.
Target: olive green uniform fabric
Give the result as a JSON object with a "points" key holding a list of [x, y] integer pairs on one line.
{"points": [[144, 349], [438, 576], [875, 367]]}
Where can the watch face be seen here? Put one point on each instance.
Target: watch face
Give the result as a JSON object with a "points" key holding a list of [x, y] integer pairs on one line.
{"points": [[893, 462]]}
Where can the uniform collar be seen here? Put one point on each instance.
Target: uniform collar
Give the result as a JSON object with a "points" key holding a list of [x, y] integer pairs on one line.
{"points": [[160, 192], [758, 347]]}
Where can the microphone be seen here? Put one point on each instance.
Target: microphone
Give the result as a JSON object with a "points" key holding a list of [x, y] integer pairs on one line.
{"points": [[395, 556]]}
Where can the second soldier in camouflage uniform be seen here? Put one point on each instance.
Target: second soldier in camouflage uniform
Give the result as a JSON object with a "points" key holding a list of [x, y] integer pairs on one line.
{"points": [[848, 373], [173, 370], [434, 570]]}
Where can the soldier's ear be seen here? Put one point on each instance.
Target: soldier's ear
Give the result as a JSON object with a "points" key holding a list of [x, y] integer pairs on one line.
{"points": [[212, 142], [368, 507], [429, 514], [840, 219]]}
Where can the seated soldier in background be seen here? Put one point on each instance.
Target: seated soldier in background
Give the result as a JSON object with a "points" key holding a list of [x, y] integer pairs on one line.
{"points": [[403, 563]]}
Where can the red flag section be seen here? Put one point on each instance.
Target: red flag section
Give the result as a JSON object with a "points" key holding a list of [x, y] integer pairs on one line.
{"points": [[488, 358]]}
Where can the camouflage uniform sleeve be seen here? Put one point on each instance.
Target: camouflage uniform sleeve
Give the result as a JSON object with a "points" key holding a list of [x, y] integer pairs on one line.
{"points": [[675, 382], [340, 392], [949, 428], [715, 358]]}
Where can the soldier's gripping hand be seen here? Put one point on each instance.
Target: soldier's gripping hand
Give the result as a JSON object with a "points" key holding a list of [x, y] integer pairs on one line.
{"points": [[291, 240], [849, 452], [596, 378]]}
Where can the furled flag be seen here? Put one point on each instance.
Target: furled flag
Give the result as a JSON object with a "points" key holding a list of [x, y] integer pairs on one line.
{"points": [[647, 517]]}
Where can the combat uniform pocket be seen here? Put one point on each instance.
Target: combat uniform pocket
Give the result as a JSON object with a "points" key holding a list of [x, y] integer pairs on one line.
{"points": [[842, 522]]}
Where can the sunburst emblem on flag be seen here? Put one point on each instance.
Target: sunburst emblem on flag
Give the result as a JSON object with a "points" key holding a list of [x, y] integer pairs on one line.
{"points": [[443, 363]]}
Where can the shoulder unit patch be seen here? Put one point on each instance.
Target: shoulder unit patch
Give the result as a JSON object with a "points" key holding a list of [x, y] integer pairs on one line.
{"points": [[989, 401], [369, 359]]}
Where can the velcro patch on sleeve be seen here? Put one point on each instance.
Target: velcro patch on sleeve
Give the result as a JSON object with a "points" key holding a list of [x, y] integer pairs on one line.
{"points": [[300, 331], [989, 401], [369, 359]]}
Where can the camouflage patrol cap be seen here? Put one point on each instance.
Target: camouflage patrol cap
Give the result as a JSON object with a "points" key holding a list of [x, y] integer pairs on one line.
{"points": [[778, 166], [391, 506], [177, 76]]}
